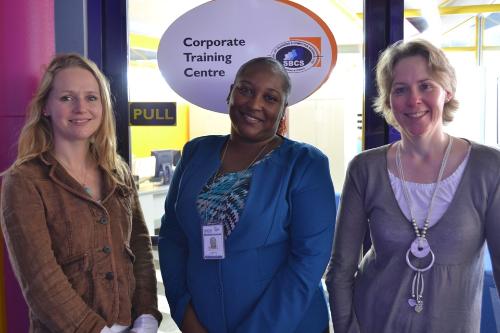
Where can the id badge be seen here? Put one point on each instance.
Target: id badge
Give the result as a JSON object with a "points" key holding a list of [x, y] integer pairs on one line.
{"points": [[213, 241]]}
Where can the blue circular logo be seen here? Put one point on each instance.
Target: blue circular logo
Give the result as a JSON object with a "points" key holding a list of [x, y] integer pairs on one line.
{"points": [[296, 55]]}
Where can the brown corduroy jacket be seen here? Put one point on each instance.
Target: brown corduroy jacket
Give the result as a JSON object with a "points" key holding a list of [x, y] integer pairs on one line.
{"points": [[82, 264]]}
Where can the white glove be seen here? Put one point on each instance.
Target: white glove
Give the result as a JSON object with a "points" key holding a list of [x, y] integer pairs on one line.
{"points": [[145, 323], [115, 329], [106, 329]]}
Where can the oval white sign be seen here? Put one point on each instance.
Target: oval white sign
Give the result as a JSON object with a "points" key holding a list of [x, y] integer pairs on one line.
{"points": [[201, 51]]}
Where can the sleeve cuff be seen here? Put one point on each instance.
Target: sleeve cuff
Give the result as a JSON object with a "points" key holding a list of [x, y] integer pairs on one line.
{"points": [[93, 323]]}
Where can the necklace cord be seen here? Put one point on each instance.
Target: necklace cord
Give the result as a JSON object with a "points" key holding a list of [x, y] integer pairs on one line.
{"points": [[406, 192], [219, 171], [85, 172]]}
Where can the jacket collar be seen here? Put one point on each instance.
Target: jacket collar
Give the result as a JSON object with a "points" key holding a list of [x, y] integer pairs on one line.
{"points": [[60, 176]]}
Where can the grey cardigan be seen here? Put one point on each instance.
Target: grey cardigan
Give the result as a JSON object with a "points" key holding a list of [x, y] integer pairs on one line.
{"points": [[372, 295]]}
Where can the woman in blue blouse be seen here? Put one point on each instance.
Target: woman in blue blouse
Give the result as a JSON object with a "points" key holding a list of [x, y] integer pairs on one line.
{"points": [[248, 220]]}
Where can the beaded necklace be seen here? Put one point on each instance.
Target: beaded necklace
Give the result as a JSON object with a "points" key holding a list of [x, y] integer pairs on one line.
{"points": [[420, 247]]}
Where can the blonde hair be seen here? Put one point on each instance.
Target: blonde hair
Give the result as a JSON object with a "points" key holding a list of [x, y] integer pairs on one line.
{"points": [[36, 135], [439, 67]]}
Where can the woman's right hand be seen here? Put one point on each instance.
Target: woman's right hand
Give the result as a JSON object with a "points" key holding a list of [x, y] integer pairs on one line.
{"points": [[190, 323]]}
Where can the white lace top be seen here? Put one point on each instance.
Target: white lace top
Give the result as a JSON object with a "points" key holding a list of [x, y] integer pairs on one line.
{"points": [[421, 195]]}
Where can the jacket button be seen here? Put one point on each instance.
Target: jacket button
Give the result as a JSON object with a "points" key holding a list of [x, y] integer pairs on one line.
{"points": [[106, 249], [109, 276], [103, 220]]}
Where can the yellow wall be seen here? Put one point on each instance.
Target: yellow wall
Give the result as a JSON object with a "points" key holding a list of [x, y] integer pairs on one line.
{"points": [[204, 122], [144, 139]]}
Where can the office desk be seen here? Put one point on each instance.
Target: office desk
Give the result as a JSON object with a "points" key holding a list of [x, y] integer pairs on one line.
{"points": [[152, 199]]}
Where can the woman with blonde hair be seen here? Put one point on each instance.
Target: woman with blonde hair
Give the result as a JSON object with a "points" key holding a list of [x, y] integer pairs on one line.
{"points": [[430, 203], [70, 213]]}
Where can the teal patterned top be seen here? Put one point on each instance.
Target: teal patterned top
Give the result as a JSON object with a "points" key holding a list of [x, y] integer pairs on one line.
{"points": [[222, 199]]}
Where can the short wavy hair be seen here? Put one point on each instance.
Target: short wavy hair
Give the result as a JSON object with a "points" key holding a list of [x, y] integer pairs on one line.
{"points": [[439, 67]]}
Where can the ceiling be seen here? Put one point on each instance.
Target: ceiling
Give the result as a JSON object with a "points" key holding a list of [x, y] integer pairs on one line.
{"points": [[150, 18]]}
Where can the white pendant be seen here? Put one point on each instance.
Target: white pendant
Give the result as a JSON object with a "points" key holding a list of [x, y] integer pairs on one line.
{"points": [[420, 247], [419, 307]]}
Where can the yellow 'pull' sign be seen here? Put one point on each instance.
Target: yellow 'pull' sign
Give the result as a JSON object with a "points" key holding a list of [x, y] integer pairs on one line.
{"points": [[153, 113]]}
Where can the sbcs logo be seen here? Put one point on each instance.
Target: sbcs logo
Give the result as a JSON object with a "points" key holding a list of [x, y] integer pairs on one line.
{"points": [[298, 55]]}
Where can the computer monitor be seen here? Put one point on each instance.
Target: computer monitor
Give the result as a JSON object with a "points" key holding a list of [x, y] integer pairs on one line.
{"points": [[165, 158]]}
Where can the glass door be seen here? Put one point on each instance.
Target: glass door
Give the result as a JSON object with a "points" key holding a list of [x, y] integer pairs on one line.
{"points": [[330, 118]]}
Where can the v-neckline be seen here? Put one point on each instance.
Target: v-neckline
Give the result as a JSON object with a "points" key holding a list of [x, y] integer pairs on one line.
{"points": [[252, 192], [452, 202]]}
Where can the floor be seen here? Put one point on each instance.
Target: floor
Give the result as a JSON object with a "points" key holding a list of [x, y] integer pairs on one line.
{"points": [[490, 312], [167, 324]]}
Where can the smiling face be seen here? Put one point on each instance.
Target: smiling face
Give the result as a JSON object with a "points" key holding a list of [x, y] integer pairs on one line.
{"points": [[74, 105], [416, 99], [257, 102]]}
